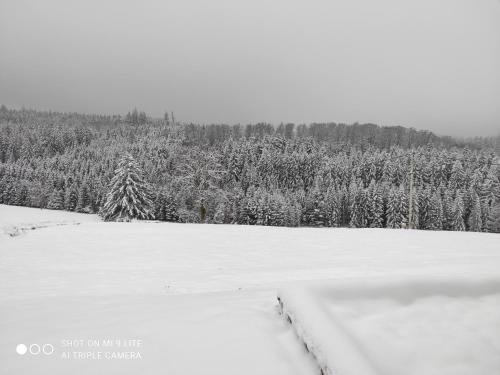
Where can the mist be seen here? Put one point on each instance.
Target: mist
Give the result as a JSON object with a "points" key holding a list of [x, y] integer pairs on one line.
{"points": [[424, 64]]}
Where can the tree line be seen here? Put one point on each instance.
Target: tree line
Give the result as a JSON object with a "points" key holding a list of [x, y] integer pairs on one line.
{"points": [[329, 175]]}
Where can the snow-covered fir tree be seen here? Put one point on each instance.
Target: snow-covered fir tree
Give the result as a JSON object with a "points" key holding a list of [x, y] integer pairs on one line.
{"points": [[449, 211], [475, 216], [129, 195], [56, 201], [493, 223], [359, 217], [397, 213], [434, 216], [458, 214], [71, 199], [83, 203], [333, 207]]}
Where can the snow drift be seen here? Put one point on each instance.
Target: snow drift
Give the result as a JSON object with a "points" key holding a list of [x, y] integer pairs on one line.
{"points": [[397, 326]]}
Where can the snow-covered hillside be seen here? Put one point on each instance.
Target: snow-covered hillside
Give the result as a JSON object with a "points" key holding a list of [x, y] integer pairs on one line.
{"points": [[202, 298]]}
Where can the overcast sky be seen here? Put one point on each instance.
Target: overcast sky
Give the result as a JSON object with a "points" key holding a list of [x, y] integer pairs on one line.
{"points": [[429, 64]]}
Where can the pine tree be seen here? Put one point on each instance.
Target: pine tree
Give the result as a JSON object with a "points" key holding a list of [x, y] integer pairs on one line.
{"points": [[129, 195], [333, 207], [293, 212], [56, 201], [171, 209], [373, 207], [424, 202], [220, 214], [457, 176], [22, 198], [83, 204], [315, 209], [71, 200], [159, 206], [392, 211], [358, 211], [397, 208], [249, 211], [458, 211], [263, 208], [475, 220], [493, 224], [415, 215], [403, 206], [277, 212], [8, 191], [377, 208], [3, 189], [434, 216], [448, 211]]}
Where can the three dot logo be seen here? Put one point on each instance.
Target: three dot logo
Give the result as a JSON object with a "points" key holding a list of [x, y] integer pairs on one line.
{"points": [[35, 349], [21, 349]]}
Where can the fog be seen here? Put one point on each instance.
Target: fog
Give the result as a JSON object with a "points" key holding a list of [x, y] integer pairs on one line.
{"points": [[427, 64]]}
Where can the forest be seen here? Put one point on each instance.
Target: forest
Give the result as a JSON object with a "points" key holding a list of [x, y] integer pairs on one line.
{"points": [[324, 175]]}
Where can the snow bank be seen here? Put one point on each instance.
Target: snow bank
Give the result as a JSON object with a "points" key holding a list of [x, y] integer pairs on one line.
{"points": [[15, 221], [393, 327], [330, 344]]}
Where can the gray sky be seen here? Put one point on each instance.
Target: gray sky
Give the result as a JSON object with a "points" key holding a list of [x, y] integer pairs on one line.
{"points": [[430, 64]]}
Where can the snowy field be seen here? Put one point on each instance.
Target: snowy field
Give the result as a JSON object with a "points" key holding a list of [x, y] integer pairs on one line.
{"points": [[201, 299], [15, 221]]}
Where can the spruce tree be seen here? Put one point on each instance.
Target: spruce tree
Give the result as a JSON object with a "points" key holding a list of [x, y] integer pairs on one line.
{"points": [[220, 214], [493, 224], [277, 213], [129, 194], [403, 206], [170, 209], [457, 176], [22, 198], [377, 209], [397, 208], [56, 201], [415, 214], [249, 211], [434, 216], [83, 203], [315, 209], [392, 211], [8, 191], [71, 200], [333, 207], [159, 206], [358, 209], [475, 220], [448, 211], [424, 203], [458, 212]]}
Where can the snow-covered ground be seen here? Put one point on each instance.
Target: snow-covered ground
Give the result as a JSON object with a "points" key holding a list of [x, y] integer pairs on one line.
{"points": [[15, 221], [392, 327], [200, 298]]}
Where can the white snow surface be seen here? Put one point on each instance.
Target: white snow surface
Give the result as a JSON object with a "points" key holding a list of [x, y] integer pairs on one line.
{"points": [[15, 221], [202, 298], [400, 326]]}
